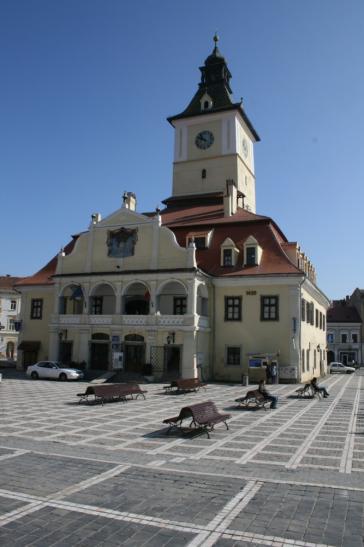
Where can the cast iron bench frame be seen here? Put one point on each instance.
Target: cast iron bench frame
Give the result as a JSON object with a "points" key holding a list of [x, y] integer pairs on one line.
{"points": [[105, 392], [185, 384], [204, 416], [253, 398]]}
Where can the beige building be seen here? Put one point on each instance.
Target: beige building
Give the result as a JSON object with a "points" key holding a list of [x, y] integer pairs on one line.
{"points": [[205, 286], [10, 303]]}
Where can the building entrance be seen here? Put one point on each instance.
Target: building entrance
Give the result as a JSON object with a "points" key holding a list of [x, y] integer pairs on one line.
{"points": [[134, 353], [99, 352], [172, 361]]}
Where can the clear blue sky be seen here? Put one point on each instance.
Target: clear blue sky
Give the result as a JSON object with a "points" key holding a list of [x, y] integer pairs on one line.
{"points": [[86, 86]]}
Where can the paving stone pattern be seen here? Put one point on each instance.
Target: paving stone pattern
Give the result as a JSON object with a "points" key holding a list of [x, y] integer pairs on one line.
{"points": [[77, 474]]}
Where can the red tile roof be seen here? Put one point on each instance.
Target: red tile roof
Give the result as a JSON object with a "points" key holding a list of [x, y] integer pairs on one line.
{"points": [[238, 227], [7, 281]]}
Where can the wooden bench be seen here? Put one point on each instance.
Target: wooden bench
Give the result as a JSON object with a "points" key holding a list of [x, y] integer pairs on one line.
{"points": [[185, 384], [253, 398], [104, 392], [203, 416]]}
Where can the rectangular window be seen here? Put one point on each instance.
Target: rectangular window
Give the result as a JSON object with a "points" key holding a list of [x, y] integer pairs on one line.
{"points": [[344, 338], [200, 241], [308, 312], [303, 360], [303, 309], [354, 337], [251, 256], [36, 308], [12, 305], [11, 325], [269, 309], [312, 313], [96, 308], [321, 320], [308, 360], [227, 257], [233, 355], [330, 338], [317, 318], [179, 305], [232, 308]]}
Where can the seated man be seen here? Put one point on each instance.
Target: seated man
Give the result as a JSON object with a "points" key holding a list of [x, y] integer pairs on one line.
{"points": [[319, 389], [262, 389]]}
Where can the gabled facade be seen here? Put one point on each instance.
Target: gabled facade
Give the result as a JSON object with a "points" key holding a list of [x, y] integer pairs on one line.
{"points": [[205, 286]]}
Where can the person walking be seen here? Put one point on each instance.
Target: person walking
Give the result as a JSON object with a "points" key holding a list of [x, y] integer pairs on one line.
{"points": [[272, 398]]}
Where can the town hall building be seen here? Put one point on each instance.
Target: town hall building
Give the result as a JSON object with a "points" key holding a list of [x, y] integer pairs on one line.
{"points": [[205, 286]]}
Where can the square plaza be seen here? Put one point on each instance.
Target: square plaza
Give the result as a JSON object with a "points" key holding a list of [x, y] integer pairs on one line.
{"points": [[92, 474]]}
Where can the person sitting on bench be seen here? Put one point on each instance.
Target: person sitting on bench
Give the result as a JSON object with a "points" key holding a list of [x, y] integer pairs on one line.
{"points": [[272, 398], [319, 389]]}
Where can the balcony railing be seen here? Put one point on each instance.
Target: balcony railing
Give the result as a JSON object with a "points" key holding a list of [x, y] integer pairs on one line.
{"points": [[157, 320]]}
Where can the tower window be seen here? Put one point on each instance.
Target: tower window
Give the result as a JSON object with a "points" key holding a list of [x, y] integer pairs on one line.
{"points": [[203, 173], [206, 105]]}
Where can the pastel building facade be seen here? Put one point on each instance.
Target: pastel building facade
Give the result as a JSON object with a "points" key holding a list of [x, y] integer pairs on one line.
{"points": [[204, 286]]}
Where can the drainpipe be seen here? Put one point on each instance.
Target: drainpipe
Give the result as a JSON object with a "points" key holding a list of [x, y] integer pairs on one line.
{"points": [[300, 328]]}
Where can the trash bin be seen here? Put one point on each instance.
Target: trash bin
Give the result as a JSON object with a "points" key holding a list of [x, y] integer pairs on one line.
{"points": [[245, 379]]}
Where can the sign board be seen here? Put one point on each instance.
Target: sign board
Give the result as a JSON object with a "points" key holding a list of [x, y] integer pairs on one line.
{"points": [[255, 363], [117, 360], [288, 372]]}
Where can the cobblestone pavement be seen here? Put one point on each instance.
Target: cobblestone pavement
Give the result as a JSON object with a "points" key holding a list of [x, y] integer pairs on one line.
{"points": [[78, 474]]}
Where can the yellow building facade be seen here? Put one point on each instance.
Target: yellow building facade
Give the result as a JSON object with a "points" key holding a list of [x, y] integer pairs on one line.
{"points": [[203, 287]]}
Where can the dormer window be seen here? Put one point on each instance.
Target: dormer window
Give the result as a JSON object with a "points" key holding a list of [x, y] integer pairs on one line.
{"points": [[229, 253], [227, 257], [252, 252], [251, 256], [206, 102], [200, 239]]}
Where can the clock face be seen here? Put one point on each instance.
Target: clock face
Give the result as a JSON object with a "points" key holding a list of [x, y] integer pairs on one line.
{"points": [[245, 148], [204, 140]]}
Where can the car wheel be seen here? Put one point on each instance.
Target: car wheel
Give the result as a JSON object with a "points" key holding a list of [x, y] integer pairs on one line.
{"points": [[63, 377], [34, 375]]}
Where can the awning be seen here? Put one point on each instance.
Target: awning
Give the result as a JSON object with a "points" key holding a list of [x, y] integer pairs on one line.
{"points": [[29, 346]]}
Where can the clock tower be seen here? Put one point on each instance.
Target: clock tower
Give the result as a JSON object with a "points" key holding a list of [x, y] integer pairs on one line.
{"points": [[214, 138]]}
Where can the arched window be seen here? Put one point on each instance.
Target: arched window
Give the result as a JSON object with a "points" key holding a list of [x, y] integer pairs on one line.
{"points": [[134, 338], [203, 173], [206, 105]]}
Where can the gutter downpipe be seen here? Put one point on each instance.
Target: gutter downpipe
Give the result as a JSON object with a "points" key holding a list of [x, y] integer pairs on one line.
{"points": [[300, 322]]}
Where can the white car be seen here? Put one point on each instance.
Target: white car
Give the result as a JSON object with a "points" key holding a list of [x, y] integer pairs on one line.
{"points": [[53, 370], [340, 368]]}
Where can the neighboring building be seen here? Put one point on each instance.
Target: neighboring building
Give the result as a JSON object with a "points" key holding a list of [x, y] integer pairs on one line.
{"points": [[204, 283], [357, 300], [9, 311], [344, 340]]}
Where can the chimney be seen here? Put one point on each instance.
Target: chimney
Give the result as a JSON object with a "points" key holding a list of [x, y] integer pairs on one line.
{"points": [[129, 201], [230, 198]]}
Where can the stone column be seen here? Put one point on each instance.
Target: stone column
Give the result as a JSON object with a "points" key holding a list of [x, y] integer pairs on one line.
{"points": [[53, 345], [189, 368], [192, 297], [119, 288]]}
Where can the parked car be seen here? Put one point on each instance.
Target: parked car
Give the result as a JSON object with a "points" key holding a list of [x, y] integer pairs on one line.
{"points": [[340, 368], [53, 370]]}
